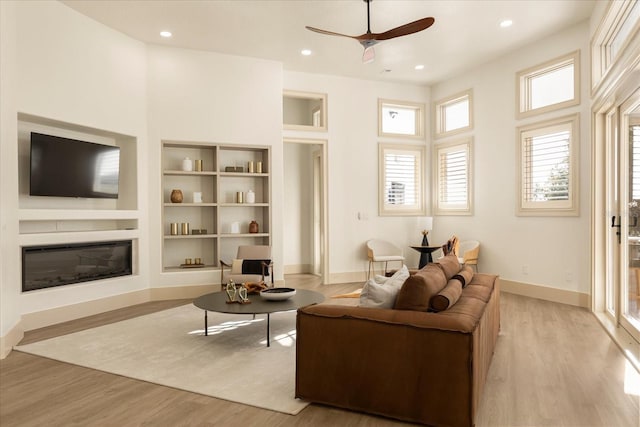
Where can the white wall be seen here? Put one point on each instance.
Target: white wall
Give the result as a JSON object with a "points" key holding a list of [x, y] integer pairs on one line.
{"points": [[352, 137], [64, 66], [9, 253], [553, 248], [204, 96], [298, 199]]}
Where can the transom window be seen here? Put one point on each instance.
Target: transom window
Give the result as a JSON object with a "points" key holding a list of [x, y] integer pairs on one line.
{"points": [[549, 86], [400, 118], [401, 180], [453, 178], [454, 114], [548, 155], [612, 37]]}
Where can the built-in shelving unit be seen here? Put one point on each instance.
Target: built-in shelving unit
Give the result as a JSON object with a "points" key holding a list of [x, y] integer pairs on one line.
{"points": [[219, 212]]}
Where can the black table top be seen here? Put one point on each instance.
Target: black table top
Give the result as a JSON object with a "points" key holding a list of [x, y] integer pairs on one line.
{"points": [[217, 301]]}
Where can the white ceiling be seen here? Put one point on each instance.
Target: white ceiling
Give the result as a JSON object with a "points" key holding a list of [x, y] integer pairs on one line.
{"points": [[465, 34]]}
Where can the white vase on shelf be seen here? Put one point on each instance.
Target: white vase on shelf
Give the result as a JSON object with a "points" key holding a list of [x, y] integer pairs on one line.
{"points": [[187, 165], [251, 196]]}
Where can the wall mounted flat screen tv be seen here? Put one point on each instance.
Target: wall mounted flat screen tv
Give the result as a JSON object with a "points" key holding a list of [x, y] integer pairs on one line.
{"points": [[65, 167]]}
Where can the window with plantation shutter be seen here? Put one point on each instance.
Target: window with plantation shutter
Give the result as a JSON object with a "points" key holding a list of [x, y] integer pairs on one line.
{"points": [[548, 167], [453, 178], [401, 177]]}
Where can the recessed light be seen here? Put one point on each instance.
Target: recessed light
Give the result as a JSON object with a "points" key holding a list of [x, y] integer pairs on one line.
{"points": [[506, 23], [165, 34], [419, 67], [306, 52]]}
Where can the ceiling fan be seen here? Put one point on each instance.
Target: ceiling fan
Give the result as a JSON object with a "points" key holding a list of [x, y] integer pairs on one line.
{"points": [[369, 39]]}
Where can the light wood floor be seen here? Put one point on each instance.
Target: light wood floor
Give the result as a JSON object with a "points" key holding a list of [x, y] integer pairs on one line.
{"points": [[553, 366]]}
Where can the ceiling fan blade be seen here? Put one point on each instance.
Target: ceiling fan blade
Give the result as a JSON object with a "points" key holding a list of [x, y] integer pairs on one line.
{"points": [[403, 30], [330, 33], [369, 55]]}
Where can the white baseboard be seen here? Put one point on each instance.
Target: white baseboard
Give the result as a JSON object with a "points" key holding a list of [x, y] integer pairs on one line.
{"points": [[12, 338], [546, 293], [297, 269]]}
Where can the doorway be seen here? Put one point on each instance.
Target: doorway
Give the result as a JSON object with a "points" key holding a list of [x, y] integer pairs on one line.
{"points": [[305, 234], [622, 194]]}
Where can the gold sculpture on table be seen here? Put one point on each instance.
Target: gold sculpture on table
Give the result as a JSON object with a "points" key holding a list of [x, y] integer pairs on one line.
{"points": [[242, 296], [236, 294], [231, 292]]}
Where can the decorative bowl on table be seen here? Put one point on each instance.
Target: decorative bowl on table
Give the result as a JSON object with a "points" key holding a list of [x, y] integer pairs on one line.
{"points": [[277, 294]]}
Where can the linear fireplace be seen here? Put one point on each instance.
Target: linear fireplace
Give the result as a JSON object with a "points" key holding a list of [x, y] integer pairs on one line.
{"points": [[57, 265]]}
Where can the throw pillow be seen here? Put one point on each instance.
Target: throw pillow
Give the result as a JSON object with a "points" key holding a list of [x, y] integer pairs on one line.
{"points": [[419, 288], [249, 266], [383, 295], [447, 296], [464, 276]]}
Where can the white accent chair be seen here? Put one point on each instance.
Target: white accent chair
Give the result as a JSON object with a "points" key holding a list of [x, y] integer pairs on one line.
{"points": [[382, 251]]}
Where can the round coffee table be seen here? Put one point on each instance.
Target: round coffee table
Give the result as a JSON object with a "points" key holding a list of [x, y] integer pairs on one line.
{"points": [[217, 301]]}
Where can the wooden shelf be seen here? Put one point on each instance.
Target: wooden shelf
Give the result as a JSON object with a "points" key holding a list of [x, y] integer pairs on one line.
{"points": [[191, 173]]}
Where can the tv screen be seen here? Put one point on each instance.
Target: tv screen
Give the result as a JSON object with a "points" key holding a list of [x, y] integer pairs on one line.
{"points": [[66, 167]]}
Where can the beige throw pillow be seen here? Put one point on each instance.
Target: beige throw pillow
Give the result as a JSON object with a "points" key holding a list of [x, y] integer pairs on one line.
{"points": [[383, 295]]}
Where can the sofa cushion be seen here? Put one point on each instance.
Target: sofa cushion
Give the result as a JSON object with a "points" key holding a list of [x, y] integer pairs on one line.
{"points": [[447, 296], [465, 275], [383, 295], [449, 264], [480, 292], [419, 288]]}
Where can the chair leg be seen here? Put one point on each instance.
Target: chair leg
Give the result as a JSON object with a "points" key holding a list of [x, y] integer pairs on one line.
{"points": [[369, 270]]}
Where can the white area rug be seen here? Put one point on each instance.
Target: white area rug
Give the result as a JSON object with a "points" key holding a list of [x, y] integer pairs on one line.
{"points": [[169, 348]]}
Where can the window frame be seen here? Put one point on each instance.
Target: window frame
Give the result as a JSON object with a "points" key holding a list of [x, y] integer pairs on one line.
{"points": [[419, 122], [439, 207], [440, 117], [570, 207], [603, 59], [523, 98], [384, 209]]}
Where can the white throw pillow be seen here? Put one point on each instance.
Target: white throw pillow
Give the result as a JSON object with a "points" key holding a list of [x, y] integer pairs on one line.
{"points": [[383, 295]]}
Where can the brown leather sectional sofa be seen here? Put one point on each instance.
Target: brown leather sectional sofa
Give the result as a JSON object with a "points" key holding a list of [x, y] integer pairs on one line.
{"points": [[418, 366]]}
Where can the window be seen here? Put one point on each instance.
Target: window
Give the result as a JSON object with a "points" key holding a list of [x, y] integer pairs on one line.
{"points": [[548, 167], [401, 180], [549, 86], [612, 37], [454, 114], [453, 178], [399, 118]]}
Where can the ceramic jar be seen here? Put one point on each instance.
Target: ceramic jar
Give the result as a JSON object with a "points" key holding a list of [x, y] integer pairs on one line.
{"points": [[251, 196], [187, 164], [176, 196], [253, 227]]}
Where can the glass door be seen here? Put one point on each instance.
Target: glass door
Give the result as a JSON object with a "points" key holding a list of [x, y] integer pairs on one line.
{"points": [[629, 292]]}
